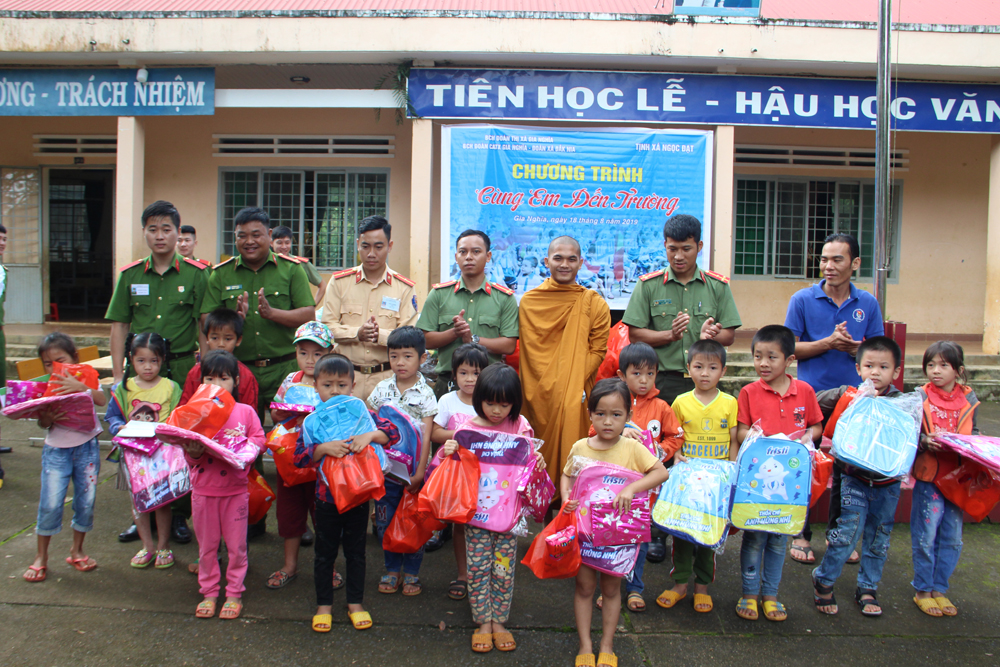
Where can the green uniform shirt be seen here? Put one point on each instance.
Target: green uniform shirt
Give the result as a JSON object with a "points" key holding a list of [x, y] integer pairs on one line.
{"points": [[168, 304], [286, 288], [658, 298], [312, 274], [491, 312]]}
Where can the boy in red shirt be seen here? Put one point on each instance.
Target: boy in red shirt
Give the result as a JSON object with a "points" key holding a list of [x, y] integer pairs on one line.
{"points": [[223, 330], [785, 405]]}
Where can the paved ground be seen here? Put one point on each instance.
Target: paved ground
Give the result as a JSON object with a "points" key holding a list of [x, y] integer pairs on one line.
{"points": [[116, 615]]}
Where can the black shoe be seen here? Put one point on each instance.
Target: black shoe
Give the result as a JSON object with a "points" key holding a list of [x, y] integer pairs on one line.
{"points": [[307, 539], [657, 552], [256, 529], [5, 450], [438, 539], [130, 534], [179, 530]]}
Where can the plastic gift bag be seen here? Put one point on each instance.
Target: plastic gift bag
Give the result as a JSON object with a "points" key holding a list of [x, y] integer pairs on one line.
{"points": [[158, 479], [617, 339], [207, 411], [879, 434], [537, 493], [980, 448], [611, 527], [772, 486], [354, 478], [19, 391], [693, 503], [555, 551], [409, 529], [282, 441], [237, 451], [78, 410], [261, 497], [83, 372], [452, 491], [971, 486], [822, 469]]}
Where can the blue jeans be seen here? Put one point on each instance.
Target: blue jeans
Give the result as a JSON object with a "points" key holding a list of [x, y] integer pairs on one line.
{"points": [[761, 559], [936, 532], [385, 509], [866, 512], [59, 466], [636, 585]]}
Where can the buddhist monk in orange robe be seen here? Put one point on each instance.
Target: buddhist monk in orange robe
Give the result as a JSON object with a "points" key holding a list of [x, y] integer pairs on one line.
{"points": [[564, 337]]}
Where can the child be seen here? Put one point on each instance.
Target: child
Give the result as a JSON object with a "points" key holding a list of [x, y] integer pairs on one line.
{"points": [[223, 329], [609, 406], [935, 521], [219, 496], [868, 500], [295, 504], [67, 454], [334, 375], [455, 408], [781, 404], [708, 419], [146, 397], [408, 391], [491, 556], [637, 368]]}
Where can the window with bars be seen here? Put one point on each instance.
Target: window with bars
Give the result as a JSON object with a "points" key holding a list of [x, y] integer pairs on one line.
{"points": [[322, 208], [781, 224]]}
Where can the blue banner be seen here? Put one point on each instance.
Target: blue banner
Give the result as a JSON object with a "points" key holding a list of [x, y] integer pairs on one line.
{"points": [[610, 189], [107, 92], [713, 99]]}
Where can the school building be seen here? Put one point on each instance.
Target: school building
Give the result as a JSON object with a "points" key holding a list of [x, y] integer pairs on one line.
{"points": [[299, 106]]}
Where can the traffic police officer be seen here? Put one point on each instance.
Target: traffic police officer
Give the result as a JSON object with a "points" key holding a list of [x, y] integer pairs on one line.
{"points": [[469, 310], [364, 304]]}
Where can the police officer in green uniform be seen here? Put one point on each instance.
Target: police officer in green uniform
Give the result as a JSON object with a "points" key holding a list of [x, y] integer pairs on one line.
{"points": [[163, 294], [271, 293], [672, 309], [469, 310]]}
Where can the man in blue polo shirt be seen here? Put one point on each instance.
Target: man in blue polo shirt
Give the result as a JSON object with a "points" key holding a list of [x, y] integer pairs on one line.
{"points": [[830, 320]]}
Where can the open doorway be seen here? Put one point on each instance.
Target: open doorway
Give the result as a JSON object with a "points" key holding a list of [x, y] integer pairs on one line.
{"points": [[81, 233]]}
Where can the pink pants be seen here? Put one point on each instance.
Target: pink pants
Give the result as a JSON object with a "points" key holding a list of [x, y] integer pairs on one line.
{"points": [[218, 518]]}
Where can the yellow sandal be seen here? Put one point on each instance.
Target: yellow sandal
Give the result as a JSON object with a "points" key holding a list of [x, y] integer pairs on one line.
{"points": [[703, 599], [927, 605], [609, 659], [361, 620], [669, 598], [322, 622], [585, 660], [946, 605], [482, 642]]}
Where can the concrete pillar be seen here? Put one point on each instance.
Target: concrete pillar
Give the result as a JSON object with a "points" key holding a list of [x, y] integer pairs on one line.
{"points": [[129, 183], [722, 209], [421, 174], [991, 311]]}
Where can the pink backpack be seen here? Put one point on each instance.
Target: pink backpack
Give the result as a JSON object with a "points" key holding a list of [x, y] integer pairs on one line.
{"points": [[600, 482]]}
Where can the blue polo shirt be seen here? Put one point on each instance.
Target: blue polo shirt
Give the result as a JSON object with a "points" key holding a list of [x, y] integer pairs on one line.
{"points": [[812, 316]]}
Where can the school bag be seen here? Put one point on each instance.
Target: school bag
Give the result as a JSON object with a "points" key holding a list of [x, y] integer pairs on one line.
{"points": [[773, 484], [693, 504], [505, 463], [879, 434], [599, 482]]}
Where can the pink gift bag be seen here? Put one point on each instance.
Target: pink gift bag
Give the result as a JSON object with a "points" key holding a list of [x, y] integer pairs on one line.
{"points": [[19, 391], [537, 493], [236, 451], [614, 528], [158, 479], [79, 409]]}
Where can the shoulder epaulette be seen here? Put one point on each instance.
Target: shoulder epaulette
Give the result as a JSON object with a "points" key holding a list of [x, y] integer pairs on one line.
{"points": [[403, 279], [346, 272], [445, 284], [231, 259], [129, 266], [650, 276], [293, 260], [196, 263], [503, 288], [718, 276]]}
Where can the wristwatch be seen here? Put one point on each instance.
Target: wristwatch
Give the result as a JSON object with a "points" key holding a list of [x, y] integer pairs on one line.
{"points": [[475, 339]]}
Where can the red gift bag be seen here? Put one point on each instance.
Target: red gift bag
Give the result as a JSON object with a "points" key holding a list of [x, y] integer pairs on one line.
{"points": [[281, 442], [971, 486], [206, 412], [261, 497], [409, 529], [822, 468], [555, 552], [354, 478], [617, 339], [82, 372], [452, 491]]}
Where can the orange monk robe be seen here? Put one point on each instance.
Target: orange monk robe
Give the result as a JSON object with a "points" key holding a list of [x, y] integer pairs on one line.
{"points": [[564, 337]]}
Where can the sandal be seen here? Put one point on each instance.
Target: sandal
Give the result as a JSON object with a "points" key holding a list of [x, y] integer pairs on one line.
{"points": [[928, 606], [821, 590], [745, 607], [774, 607], [205, 609], [458, 590], [388, 584], [338, 581], [599, 602], [585, 660], [635, 603], [231, 610], [947, 608], [865, 603], [361, 620], [85, 564], [142, 559], [504, 641], [482, 642], [414, 586], [807, 557], [40, 572], [322, 622], [164, 559], [280, 579], [609, 659], [669, 598], [702, 600]]}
